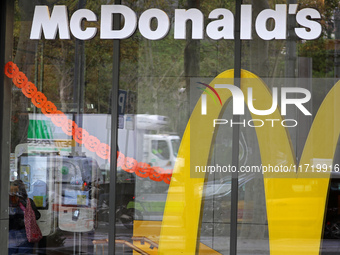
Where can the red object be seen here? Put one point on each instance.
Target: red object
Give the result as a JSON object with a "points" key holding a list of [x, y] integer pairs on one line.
{"points": [[103, 151], [80, 135], [58, 118], [11, 69], [92, 143], [143, 170], [130, 165], [49, 108], [167, 176], [29, 90], [120, 159], [156, 174], [20, 80], [39, 99], [33, 232], [69, 127]]}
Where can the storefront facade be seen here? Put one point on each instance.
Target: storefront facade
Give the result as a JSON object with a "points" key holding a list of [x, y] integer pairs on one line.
{"points": [[171, 127]]}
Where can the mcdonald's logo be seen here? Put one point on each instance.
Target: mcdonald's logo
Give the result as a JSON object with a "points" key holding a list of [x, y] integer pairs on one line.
{"points": [[295, 216]]}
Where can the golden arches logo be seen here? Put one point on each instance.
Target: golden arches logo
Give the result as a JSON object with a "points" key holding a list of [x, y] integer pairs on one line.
{"points": [[295, 215]]}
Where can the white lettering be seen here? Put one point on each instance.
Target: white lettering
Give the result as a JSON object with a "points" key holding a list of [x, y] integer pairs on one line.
{"points": [[284, 123], [181, 18], [253, 121], [163, 24], [297, 101], [280, 27], [246, 16], [261, 112], [219, 122], [257, 123], [204, 104], [272, 120], [43, 22], [315, 27], [130, 22], [222, 28], [75, 24], [238, 97], [243, 123]]}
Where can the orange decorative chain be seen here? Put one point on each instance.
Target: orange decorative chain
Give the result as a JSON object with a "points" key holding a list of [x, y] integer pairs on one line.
{"points": [[79, 134]]}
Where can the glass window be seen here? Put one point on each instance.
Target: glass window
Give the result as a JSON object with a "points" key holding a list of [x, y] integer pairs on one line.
{"points": [[175, 145], [173, 109], [160, 149]]}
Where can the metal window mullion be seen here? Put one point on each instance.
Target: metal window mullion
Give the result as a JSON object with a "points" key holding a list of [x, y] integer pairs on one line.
{"points": [[236, 134], [6, 30], [114, 132]]}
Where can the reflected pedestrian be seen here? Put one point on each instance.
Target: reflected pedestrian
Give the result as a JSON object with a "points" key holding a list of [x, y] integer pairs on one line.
{"points": [[17, 239]]}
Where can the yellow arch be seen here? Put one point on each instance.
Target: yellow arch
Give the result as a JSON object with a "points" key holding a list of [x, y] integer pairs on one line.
{"points": [[295, 202]]}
